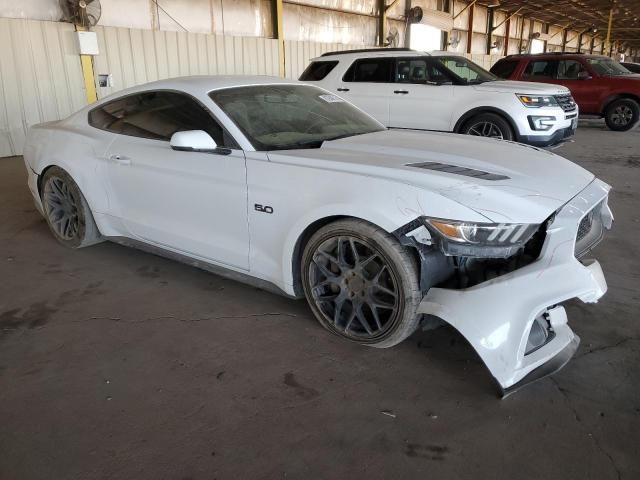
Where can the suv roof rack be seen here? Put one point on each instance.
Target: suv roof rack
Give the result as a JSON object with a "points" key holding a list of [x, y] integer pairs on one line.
{"points": [[365, 50], [545, 53]]}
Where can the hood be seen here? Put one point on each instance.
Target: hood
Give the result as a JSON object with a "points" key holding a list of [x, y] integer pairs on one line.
{"points": [[532, 183], [512, 86]]}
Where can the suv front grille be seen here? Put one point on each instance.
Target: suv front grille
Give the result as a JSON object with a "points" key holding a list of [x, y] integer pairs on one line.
{"points": [[566, 102]]}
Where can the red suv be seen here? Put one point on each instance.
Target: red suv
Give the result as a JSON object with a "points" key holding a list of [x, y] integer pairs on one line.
{"points": [[599, 84]]}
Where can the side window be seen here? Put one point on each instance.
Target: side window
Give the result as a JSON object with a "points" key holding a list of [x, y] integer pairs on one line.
{"points": [[316, 71], [372, 70], [504, 68], [418, 70], [569, 69], [157, 115], [540, 69], [411, 71]]}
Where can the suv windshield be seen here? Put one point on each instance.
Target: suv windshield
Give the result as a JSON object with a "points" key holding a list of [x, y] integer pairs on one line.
{"points": [[465, 69], [282, 117], [607, 66]]}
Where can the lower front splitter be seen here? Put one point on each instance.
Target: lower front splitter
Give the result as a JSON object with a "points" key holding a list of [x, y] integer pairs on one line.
{"points": [[546, 369]]}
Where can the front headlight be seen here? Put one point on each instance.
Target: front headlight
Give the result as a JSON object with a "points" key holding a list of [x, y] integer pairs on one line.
{"points": [[491, 240], [537, 101]]}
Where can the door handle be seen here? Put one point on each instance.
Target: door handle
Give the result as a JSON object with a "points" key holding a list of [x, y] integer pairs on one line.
{"points": [[343, 89], [403, 92], [122, 160]]}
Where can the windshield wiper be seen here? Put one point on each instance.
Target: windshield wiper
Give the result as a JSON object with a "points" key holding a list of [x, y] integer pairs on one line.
{"points": [[344, 135], [299, 145], [316, 143]]}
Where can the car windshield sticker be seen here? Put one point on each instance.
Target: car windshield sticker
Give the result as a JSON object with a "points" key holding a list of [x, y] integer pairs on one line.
{"points": [[331, 98]]}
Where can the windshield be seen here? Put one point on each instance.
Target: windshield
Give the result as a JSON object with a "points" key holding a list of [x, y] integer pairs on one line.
{"points": [[468, 71], [607, 66], [281, 117]]}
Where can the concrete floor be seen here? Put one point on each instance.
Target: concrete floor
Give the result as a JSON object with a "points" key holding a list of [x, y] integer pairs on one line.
{"points": [[116, 364]]}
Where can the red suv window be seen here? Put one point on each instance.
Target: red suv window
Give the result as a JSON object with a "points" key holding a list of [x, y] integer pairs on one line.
{"points": [[541, 69], [505, 68]]}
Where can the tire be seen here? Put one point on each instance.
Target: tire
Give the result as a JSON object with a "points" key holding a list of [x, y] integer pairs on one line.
{"points": [[622, 115], [61, 198], [361, 284], [488, 125]]}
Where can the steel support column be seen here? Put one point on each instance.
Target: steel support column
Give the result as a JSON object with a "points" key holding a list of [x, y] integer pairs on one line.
{"points": [[472, 8], [609, 25], [278, 31]]}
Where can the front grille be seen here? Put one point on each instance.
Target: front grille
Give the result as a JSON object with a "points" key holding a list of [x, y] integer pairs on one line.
{"points": [[566, 102]]}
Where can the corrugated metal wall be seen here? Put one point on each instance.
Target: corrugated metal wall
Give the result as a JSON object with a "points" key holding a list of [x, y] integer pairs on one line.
{"points": [[135, 56], [40, 77]]}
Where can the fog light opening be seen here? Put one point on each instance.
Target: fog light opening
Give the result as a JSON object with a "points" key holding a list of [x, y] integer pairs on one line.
{"points": [[541, 123], [540, 334]]}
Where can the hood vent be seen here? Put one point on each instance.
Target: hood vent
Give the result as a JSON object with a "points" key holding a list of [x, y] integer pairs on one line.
{"points": [[455, 170]]}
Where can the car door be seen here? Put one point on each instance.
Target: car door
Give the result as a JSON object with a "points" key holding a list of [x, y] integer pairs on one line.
{"points": [[190, 202], [566, 72], [422, 96], [368, 83], [586, 87]]}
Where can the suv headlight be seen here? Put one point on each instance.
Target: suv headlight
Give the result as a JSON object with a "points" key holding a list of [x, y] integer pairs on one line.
{"points": [[490, 240], [537, 101]]}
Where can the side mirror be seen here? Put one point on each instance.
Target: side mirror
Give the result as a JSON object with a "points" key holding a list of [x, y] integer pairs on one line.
{"points": [[583, 75], [193, 141]]}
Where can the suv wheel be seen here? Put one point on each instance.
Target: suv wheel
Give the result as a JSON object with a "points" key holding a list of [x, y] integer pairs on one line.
{"points": [[622, 115], [361, 284], [488, 125]]}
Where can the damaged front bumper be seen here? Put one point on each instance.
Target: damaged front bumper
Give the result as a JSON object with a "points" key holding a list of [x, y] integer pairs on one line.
{"points": [[497, 316]]}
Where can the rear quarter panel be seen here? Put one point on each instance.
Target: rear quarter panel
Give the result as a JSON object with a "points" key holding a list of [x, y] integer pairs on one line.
{"points": [[76, 148]]}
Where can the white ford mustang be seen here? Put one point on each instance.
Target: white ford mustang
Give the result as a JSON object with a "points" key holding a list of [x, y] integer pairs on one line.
{"points": [[289, 186]]}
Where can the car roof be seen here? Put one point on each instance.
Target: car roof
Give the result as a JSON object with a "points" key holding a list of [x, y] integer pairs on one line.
{"points": [[202, 84], [553, 55]]}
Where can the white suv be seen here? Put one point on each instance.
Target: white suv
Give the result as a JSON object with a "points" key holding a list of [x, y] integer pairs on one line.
{"points": [[404, 88]]}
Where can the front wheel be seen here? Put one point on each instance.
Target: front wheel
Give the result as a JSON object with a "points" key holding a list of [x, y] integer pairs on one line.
{"points": [[488, 125], [361, 284], [66, 210], [622, 115]]}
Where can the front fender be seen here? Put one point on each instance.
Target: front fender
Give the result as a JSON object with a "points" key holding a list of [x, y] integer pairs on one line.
{"points": [[321, 194]]}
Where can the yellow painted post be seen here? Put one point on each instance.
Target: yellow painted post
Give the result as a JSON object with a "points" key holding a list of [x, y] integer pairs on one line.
{"points": [[280, 36], [89, 80], [608, 40], [86, 62]]}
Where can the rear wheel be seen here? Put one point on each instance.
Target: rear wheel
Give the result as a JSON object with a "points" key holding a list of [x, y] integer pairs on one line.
{"points": [[66, 210], [622, 115], [488, 125], [361, 283]]}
